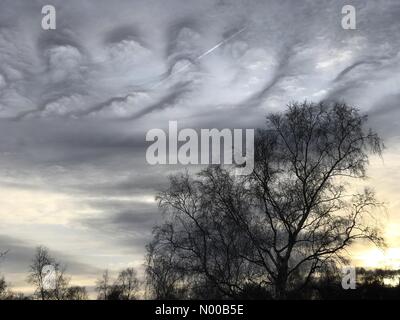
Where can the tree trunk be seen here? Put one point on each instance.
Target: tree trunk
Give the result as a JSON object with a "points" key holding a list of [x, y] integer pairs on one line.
{"points": [[281, 281]]}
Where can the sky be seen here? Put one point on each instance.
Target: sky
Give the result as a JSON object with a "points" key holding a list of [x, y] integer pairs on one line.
{"points": [[76, 103]]}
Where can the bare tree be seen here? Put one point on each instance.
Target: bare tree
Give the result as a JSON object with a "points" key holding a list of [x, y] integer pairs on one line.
{"points": [[303, 165], [61, 288], [128, 284], [277, 227], [103, 286], [76, 293], [125, 287], [198, 250], [164, 276], [41, 259], [6, 293], [37, 276], [4, 290]]}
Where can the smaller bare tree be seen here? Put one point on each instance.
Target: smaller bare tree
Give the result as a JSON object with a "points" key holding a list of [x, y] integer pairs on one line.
{"points": [[36, 277], [76, 293], [4, 290], [128, 283], [103, 286]]}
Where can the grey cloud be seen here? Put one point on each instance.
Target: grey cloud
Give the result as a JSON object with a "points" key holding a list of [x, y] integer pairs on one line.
{"points": [[125, 217], [121, 33], [127, 223], [20, 253]]}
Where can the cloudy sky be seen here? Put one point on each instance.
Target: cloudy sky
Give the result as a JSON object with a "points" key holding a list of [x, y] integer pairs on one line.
{"points": [[76, 103]]}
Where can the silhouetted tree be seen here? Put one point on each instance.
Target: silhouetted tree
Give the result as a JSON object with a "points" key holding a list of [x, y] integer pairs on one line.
{"points": [[125, 287], [76, 293], [103, 286], [4, 292], [36, 276], [7, 294], [164, 275], [115, 293], [278, 226], [128, 284]]}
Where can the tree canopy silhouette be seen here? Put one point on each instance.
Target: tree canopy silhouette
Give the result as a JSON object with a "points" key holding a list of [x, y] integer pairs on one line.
{"points": [[271, 231]]}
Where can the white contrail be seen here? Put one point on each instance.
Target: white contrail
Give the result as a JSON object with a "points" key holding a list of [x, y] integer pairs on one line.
{"points": [[187, 65], [221, 43]]}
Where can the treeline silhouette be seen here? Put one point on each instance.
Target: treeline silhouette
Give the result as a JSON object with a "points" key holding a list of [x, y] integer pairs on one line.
{"points": [[280, 232], [125, 287], [370, 284]]}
